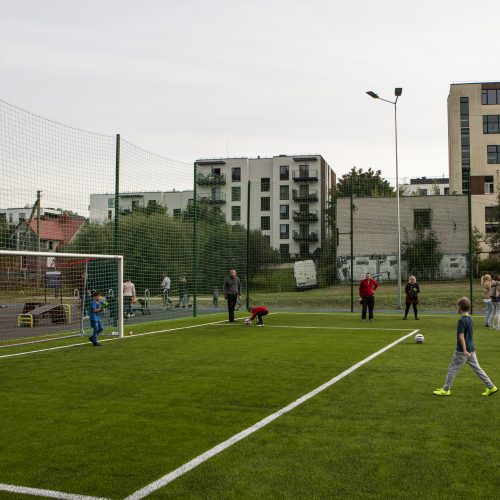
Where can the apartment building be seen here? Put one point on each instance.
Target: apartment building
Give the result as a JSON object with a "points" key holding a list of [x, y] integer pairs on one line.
{"points": [[474, 148], [13, 216], [284, 196], [425, 186], [102, 206]]}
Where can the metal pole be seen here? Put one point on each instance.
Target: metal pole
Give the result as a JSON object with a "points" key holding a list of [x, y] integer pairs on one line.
{"points": [[194, 248], [352, 243], [397, 202], [469, 210], [118, 309], [248, 248], [116, 233]]}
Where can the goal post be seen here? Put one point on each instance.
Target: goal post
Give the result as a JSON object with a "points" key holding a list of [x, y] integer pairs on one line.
{"points": [[49, 293]]}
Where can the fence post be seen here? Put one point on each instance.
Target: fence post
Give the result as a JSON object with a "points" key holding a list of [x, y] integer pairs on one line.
{"points": [[352, 243], [194, 248], [248, 249], [469, 214], [116, 228]]}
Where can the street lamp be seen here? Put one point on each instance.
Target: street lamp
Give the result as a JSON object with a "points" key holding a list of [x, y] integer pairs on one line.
{"points": [[397, 92]]}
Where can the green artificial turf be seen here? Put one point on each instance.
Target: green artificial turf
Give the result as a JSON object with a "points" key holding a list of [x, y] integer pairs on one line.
{"points": [[107, 421]]}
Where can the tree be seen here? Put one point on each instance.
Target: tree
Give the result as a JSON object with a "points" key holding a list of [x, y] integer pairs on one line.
{"points": [[4, 234], [423, 255], [477, 239], [364, 184]]}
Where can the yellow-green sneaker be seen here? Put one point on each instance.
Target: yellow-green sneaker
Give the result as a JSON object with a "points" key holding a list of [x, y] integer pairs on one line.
{"points": [[489, 392], [441, 392]]}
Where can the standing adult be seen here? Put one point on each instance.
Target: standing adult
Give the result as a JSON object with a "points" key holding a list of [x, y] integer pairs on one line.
{"points": [[485, 287], [129, 296], [232, 292], [183, 291], [412, 289], [494, 320], [367, 287], [165, 284]]}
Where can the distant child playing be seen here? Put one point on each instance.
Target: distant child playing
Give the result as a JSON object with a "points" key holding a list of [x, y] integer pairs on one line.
{"points": [[465, 353], [258, 312], [97, 305]]}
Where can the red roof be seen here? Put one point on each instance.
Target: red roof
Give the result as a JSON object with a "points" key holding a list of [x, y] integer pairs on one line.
{"points": [[61, 229]]}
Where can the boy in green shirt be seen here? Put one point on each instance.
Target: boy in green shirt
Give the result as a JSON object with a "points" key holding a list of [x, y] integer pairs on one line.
{"points": [[465, 353]]}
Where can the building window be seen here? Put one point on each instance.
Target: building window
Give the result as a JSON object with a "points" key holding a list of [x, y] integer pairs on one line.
{"points": [[284, 192], [421, 219], [284, 231], [22, 216], [284, 212], [265, 184], [111, 203], [236, 174], [493, 153], [491, 124], [446, 190], [236, 193], [110, 214], [489, 187], [491, 214], [285, 250], [265, 204], [284, 173], [491, 96], [177, 212], [265, 223], [422, 192], [235, 213], [11, 218]]}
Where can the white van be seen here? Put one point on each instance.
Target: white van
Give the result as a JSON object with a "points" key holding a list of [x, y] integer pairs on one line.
{"points": [[304, 272]]}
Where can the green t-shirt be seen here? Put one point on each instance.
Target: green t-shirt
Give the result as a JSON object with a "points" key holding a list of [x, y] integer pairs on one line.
{"points": [[466, 326]]}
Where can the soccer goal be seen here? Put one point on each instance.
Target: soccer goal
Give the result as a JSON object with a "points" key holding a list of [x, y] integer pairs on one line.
{"points": [[48, 294]]}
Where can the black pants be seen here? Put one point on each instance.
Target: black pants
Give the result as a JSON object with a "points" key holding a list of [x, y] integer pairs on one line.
{"points": [[231, 304], [407, 309], [259, 317], [368, 302]]}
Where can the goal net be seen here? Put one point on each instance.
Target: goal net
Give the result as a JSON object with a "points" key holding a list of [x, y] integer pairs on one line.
{"points": [[48, 294]]}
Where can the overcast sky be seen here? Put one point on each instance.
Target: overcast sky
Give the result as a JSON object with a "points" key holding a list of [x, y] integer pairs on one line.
{"points": [[195, 79]]}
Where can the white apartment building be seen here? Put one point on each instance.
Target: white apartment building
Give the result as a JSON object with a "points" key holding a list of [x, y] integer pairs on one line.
{"points": [[13, 216], [285, 197], [474, 148], [425, 186], [102, 206]]}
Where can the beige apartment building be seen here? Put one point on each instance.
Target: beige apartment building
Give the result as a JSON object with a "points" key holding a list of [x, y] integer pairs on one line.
{"points": [[474, 146], [284, 196]]}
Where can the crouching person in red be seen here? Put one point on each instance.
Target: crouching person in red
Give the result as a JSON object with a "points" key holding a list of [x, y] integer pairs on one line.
{"points": [[257, 312]]}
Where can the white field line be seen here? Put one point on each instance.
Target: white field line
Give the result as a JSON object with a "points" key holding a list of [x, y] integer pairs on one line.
{"points": [[171, 476], [25, 353], [380, 328], [45, 493]]}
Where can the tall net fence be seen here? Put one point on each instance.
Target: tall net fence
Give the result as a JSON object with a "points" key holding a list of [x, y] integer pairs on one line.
{"points": [[298, 237]]}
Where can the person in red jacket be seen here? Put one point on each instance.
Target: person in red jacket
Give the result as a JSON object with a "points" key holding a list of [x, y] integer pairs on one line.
{"points": [[257, 312], [367, 288]]}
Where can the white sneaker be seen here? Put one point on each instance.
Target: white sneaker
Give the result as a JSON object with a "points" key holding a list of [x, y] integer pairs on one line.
{"points": [[258, 324]]}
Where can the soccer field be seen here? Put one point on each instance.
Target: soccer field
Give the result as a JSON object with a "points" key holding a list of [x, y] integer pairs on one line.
{"points": [[123, 420]]}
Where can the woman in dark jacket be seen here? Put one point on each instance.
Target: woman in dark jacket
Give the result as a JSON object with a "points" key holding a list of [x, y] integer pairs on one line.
{"points": [[412, 289]]}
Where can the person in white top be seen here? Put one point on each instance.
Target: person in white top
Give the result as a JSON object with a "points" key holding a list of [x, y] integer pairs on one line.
{"points": [[129, 297], [165, 284]]}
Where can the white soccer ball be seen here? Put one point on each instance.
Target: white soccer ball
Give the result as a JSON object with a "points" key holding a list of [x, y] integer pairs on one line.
{"points": [[419, 338], [248, 322]]}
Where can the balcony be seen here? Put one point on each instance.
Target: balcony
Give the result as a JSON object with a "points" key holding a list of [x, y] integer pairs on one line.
{"points": [[210, 179], [305, 176], [309, 216], [305, 237], [310, 197], [213, 199]]}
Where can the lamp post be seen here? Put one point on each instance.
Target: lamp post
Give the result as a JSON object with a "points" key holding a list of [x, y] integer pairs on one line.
{"points": [[397, 92]]}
